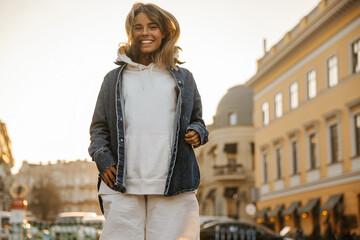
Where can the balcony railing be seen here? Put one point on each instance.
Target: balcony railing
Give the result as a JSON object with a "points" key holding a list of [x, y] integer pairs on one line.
{"points": [[229, 171]]}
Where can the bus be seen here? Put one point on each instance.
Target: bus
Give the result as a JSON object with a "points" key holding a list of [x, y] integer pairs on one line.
{"points": [[4, 225], [77, 225]]}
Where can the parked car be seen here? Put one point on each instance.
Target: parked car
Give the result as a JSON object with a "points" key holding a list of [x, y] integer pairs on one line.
{"points": [[237, 230], [205, 219], [72, 225]]}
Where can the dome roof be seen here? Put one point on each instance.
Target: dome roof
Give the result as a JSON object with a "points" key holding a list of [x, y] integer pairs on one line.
{"points": [[235, 108]]}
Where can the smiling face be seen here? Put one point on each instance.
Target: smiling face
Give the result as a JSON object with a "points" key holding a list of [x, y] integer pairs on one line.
{"points": [[147, 35]]}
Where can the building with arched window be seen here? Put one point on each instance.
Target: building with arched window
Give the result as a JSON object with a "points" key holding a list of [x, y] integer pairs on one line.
{"points": [[227, 160]]}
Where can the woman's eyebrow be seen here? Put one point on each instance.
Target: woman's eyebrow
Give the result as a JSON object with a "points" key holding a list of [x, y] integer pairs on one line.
{"points": [[149, 24]]}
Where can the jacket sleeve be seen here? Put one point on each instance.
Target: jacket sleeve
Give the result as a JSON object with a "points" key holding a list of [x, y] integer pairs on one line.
{"points": [[100, 145], [196, 121]]}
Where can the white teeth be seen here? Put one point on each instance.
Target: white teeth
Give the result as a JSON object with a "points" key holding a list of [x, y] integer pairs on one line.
{"points": [[146, 41]]}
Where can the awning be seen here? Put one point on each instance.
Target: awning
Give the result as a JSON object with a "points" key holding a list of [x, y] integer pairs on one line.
{"points": [[332, 202], [229, 192], [294, 206], [277, 210], [309, 205], [264, 212], [230, 148]]}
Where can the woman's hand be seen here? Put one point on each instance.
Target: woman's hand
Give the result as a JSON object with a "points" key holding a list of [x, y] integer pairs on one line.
{"points": [[192, 137], [109, 176]]}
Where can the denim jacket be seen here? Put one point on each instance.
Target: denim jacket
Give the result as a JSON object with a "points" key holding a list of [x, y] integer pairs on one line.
{"points": [[107, 132]]}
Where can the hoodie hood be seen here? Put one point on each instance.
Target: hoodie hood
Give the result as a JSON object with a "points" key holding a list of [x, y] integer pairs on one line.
{"points": [[122, 57], [142, 72]]}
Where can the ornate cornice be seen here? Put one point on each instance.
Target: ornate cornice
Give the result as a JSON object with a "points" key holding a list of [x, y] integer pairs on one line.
{"points": [[326, 16]]}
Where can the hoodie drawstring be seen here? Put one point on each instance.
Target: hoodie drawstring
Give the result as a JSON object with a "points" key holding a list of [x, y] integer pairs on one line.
{"points": [[123, 58]]}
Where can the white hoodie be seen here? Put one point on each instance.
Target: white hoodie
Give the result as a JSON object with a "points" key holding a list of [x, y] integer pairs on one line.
{"points": [[150, 108]]}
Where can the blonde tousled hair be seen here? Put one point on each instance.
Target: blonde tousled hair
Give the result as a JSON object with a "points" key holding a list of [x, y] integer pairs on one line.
{"points": [[167, 54]]}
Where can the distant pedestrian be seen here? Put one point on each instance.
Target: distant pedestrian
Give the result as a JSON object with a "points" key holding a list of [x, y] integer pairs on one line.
{"points": [[147, 119], [343, 230], [300, 235], [46, 234]]}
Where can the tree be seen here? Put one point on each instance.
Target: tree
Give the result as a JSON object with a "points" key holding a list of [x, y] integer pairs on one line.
{"points": [[45, 202]]}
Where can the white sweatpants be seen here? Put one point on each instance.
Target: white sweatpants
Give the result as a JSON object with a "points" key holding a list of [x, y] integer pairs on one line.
{"points": [[150, 217]]}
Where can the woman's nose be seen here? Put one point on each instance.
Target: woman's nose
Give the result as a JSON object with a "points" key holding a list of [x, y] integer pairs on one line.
{"points": [[145, 32]]}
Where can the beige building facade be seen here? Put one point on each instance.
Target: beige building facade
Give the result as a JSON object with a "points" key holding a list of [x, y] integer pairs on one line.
{"points": [[307, 120], [76, 182], [6, 163], [227, 160]]}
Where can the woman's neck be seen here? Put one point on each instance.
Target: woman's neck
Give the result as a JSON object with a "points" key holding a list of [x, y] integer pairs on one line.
{"points": [[145, 60]]}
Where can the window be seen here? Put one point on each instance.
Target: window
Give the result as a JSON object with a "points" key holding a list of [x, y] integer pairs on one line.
{"points": [[294, 99], [312, 149], [311, 84], [252, 148], [230, 149], [265, 113], [356, 56], [332, 71], [334, 143], [278, 105], [357, 133], [86, 179], [232, 118], [354, 110], [77, 180], [333, 126], [294, 157], [278, 163], [265, 168], [231, 163]]}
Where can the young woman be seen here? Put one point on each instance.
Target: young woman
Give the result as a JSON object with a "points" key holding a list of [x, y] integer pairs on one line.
{"points": [[147, 119]]}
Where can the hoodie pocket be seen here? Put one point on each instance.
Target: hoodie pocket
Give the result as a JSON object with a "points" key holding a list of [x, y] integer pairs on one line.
{"points": [[148, 155]]}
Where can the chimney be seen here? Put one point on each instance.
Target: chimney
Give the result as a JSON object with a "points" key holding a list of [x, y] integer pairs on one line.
{"points": [[264, 43]]}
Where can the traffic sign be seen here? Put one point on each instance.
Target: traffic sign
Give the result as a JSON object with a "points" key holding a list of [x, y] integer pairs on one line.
{"points": [[19, 190]]}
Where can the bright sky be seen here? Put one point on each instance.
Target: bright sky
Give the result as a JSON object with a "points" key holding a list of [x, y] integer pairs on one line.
{"points": [[54, 55]]}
